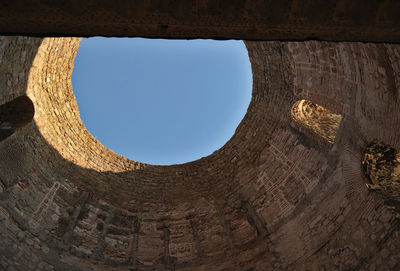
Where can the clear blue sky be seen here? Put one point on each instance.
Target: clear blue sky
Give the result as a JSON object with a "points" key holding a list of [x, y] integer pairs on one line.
{"points": [[162, 101]]}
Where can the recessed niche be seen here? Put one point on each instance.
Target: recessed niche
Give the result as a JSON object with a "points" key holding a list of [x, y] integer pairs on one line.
{"points": [[162, 101], [316, 121], [14, 115]]}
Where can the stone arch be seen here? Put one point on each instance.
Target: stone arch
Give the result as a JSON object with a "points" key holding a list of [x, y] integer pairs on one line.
{"points": [[316, 121], [14, 115]]}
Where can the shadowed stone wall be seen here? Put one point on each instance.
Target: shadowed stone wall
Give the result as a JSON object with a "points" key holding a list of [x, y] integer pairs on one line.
{"points": [[271, 199], [334, 20]]}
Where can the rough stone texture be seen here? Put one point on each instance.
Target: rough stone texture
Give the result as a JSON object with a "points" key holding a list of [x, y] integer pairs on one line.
{"points": [[273, 198], [381, 164], [316, 120], [334, 20]]}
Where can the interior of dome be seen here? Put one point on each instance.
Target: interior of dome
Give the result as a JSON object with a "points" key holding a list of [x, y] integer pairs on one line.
{"points": [[309, 180]]}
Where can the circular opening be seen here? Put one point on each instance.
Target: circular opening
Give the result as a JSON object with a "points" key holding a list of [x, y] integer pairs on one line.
{"points": [[162, 101]]}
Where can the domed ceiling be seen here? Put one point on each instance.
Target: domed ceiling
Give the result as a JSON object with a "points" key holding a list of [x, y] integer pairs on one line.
{"points": [[285, 193]]}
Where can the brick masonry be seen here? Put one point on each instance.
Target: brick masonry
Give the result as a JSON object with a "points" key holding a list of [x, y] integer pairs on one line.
{"points": [[272, 198]]}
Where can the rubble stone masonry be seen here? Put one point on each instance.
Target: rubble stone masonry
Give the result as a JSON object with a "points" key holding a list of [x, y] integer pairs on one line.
{"points": [[277, 196], [272, 198]]}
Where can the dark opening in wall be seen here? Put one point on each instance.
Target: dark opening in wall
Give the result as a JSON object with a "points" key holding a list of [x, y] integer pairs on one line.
{"points": [[14, 115], [316, 121]]}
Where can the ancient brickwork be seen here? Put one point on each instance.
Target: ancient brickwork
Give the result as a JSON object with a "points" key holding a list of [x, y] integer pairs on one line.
{"points": [[316, 121], [272, 198]]}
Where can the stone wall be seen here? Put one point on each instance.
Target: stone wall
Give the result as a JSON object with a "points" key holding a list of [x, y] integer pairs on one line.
{"points": [[272, 198], [381, 164], [315, 120], [333, 20]]}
